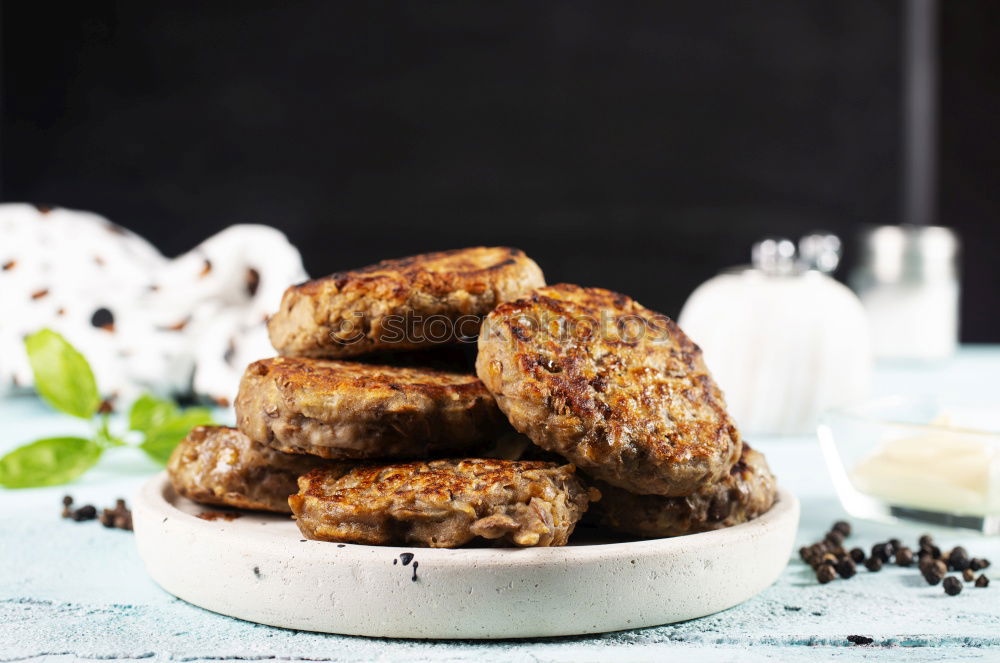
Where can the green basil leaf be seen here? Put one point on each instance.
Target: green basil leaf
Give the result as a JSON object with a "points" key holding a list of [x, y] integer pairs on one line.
{"points": [[62, 376], [149, 412], [161, 440], [104, 436], [48, 462]]}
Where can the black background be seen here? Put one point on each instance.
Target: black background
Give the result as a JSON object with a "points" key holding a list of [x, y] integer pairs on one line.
{"points": [[636, 146]]}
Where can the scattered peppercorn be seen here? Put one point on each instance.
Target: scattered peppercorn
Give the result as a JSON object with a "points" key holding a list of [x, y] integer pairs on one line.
{"points": [[67, 511], [843, 527], [825, 573], [846, 568], [830, 559], [119, 517], [934, 572], [860, 640], [952, 586], [835, 537], [85, 512], [124, 521], [873, 564], [958, 559]]}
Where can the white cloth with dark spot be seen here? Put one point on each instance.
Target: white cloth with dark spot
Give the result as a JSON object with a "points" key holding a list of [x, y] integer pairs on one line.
{"points": [[145, 322]]}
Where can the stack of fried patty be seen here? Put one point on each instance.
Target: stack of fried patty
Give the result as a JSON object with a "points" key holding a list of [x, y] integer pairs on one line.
{"points": [[355, 433]]}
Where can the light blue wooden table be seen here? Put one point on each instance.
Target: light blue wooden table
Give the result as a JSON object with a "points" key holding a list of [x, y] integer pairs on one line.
{"points": [[76, 590]]}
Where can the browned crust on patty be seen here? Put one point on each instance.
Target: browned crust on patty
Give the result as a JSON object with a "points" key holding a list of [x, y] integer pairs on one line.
{"points": [[442, 503], [748, 491], [615, 388], [401, 304], [349, 410], [220, 466]]}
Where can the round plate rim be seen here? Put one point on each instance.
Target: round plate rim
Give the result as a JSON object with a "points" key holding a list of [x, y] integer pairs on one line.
{"points": [[153, 496]]}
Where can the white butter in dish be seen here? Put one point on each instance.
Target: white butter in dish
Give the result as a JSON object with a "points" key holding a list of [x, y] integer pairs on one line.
{"points": [[914, 458]]}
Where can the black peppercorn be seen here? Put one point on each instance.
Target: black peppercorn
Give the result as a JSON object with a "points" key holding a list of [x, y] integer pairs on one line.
{"points": [[904, 556], [982, 581], [825, 573], [934, 572], [896, 544], [858, 555], [124, 521], [873, 563], [846, 568], [880, 550], [67, 511], [952, 586], [980, 563], [958, 559], [834, 537], [926, 540], [86, 512], [843, 527], [968, 575]]}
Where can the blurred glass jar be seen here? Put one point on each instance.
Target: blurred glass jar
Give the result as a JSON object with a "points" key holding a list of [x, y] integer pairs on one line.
{"points": [[908, 281]]}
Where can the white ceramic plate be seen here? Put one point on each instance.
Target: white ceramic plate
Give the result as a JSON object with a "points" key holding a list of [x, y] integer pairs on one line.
{"points": [[259, 568]]}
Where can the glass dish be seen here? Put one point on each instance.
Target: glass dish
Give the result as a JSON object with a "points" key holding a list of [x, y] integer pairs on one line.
{"points": [[916, 458]]}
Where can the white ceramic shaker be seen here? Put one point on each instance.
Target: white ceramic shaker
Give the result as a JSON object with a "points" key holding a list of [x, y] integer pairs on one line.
{"points": [[784, 340]]}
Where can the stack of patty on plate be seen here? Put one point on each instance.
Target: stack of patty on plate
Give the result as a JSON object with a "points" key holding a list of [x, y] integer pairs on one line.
{"points": [[370, 429]]}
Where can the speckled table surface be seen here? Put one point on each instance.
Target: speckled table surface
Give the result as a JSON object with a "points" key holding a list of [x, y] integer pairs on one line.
{"points": [[72, 591]]}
